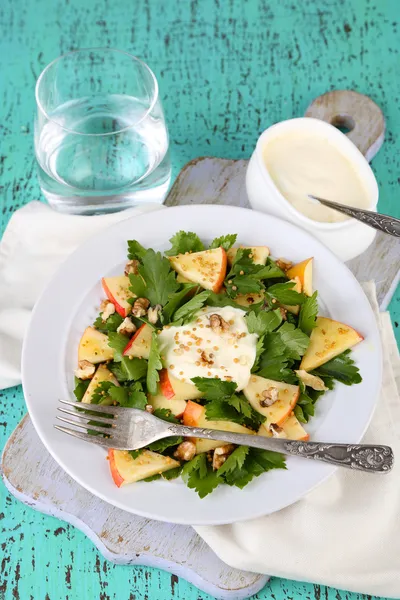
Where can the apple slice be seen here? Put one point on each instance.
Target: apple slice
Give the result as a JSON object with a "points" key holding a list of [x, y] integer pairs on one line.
{"points": [[172, 387], [126, 469], [117, 291], [303, 271], [297, 288], [195, 416], [328, 339], [291, 430], [249, 299], [102, 374], [208, 268], [260, 254], [294, 429], [93, 346], [176, 406], [140, 343], [278, 412]]}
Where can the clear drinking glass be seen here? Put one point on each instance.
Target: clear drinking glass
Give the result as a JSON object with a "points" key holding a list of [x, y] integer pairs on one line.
{"points": [[100, 136]]}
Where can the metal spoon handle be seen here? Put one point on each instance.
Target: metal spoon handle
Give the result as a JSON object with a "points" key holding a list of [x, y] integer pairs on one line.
{"points": [[361, 457], [384, 223]]}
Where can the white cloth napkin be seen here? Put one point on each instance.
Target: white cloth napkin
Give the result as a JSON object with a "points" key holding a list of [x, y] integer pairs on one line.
{"points": [[35, 242], [344, 534]]}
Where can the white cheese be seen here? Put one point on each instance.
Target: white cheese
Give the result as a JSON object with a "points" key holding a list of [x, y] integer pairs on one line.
{"points": [[196, 350]]}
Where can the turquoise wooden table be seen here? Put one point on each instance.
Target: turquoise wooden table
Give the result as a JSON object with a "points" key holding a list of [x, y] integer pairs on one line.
{"points": [[227, 70]]}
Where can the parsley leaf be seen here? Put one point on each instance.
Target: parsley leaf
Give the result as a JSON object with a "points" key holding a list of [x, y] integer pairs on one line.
{"points": [[155, 280], [308, 314], [135, 250], [295, 341], [130, 397], [341, 368], [154, 365], [166, 415], [271, 271], [185, 241], [222, 300], [214, 389], [234, 461], [81, 386], [276, 368], [118, 342], [172, 473], [112, 323], [263, 322], [198, 475], [284, 294], [240, 472], [187, 311], [128, 369], [242, 278], [225, 241], [175, 300], [165, 443], [101, 394]]}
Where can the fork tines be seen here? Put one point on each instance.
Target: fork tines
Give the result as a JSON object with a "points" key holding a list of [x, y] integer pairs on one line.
{"points": [[83, 420]]}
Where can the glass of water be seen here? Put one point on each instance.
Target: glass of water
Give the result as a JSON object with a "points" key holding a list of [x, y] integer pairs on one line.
{"points": [[101, 141]]}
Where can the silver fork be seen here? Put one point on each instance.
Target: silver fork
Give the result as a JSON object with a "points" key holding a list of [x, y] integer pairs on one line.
{"points": [[131, 429]]}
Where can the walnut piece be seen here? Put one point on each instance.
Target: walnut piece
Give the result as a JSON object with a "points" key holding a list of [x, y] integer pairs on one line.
{"points": [[284, 264], [218, 324], [85, 370], [221, 454], [283, 312], [207, 357], [277, 431], [270, 396], [153, 313], [131, 267], [185, 451], [140, 307], [312, 381], [148, 408], [108, 310], [126, 327]]}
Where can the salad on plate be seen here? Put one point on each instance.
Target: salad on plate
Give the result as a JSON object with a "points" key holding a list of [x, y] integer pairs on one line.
{"points": [[222, 337]]}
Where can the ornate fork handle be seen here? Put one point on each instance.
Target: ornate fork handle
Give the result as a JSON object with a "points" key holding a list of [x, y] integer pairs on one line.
{"points": [[362, 457], [384, 223]]}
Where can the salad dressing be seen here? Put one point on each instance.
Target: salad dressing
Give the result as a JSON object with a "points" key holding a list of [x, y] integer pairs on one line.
{"points": [[300, 164]]}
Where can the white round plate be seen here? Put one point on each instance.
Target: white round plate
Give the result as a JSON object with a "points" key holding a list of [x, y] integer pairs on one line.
{"points": [[71, 302]]}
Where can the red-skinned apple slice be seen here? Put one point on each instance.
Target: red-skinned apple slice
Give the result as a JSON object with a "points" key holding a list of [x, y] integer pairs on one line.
{"points": [[126, 469], [304, 271], [140, 343], [102, 374], [195, 416], [279, 411], [207, 268], [117, 291], [328, 339], [172, 387], [259, 254], [93, 346]]}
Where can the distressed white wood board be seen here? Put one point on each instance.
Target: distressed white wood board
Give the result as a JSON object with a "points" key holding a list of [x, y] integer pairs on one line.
{"points": [[220, 181], [34, 478]]}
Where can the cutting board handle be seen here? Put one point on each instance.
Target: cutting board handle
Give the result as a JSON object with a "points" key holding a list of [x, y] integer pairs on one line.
{"points": [[355, 112]]}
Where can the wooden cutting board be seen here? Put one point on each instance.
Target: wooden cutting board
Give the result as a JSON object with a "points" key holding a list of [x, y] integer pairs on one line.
{"points": [[33, 477]]}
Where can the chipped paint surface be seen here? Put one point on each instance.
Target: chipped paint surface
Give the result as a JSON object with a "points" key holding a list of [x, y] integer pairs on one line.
{"points": [[227, 70]]}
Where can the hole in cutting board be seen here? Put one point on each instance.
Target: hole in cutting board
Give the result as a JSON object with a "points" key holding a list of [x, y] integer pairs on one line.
{"points": [[344, 123]]}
